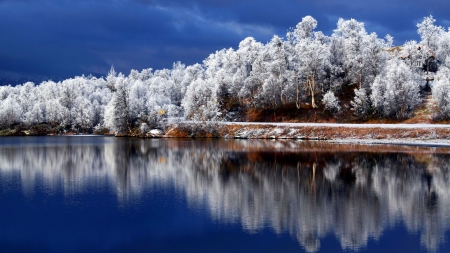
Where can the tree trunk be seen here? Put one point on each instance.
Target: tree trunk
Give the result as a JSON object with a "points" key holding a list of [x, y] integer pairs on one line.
{"points": [[311, 88], [283, 101], [297, 101]]}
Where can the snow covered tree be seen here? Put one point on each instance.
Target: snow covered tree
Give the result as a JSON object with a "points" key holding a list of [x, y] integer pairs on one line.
{"points": [[374, 57], [360, 103], [111, 79], [430, 35], [176, 77], [395, 92], [27, 99], [10, 112], [304, 29], [313, 56], [200, 102], [363, 55], [331, 102], [443, 49], [272, 74], [83, 114], [249, 54], [117, 118], [53, 111], [353, 34], [440, 100], [223, 73], [270, 92], [429, 32], [69, 91], [138, 97]]}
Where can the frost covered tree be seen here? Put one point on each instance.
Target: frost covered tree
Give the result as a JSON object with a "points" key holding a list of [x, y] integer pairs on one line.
{"points": [[117, 112], [395, 92], [440, 99], [353, 36], [83, 114], [111, 79], [305, 28], [357, 54], [273, 74], [360, 103], [200, 102], [10, 111], [374, 57], [429, 32], [27, 99], [178, 84], [138, 97], [331, 102], [249, 53], [443, 51], [430, 44], [53, 111], [223, 73], [68, 94], [311, 57]]}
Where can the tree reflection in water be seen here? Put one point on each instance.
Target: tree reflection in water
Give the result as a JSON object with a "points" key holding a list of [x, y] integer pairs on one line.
{"points": [[306, 189]]}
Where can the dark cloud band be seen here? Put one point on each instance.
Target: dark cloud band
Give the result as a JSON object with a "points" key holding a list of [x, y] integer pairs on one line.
{"points": [[59, 39]]}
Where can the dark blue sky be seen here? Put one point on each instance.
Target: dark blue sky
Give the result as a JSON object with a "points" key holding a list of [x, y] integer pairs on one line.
{"points": [[56, 39]]}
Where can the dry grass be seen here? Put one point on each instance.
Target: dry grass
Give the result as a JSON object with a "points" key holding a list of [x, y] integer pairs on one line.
{"points": [[256, 115], [305, 133]]}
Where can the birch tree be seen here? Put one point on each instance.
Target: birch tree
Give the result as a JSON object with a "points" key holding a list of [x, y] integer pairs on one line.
{"points": [[313, 58], [395, 92]]}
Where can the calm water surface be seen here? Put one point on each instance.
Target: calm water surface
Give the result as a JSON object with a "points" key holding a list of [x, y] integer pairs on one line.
{"points": [[106, 194]]}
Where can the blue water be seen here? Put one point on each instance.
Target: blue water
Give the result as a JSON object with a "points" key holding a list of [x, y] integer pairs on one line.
{"points": [[106, 194]]}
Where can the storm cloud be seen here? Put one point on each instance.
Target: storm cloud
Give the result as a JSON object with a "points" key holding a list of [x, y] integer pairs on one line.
{"points": [[46, 39]]}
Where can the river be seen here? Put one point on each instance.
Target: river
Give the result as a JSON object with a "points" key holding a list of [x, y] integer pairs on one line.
{"points": [[107, 194]]}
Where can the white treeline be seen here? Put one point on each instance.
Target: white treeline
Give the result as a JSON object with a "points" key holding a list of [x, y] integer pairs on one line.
{"points": [[306, 69]]}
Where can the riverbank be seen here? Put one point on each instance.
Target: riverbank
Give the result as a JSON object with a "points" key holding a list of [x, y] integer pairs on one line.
{"points": [[401, 134], [349, 133]]}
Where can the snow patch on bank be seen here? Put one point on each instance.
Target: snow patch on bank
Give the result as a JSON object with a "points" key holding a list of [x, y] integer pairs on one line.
{"points": [[413, 142]]}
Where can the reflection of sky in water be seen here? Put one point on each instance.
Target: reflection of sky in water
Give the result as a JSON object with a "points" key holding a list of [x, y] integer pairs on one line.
{"points": [[307, 190]]}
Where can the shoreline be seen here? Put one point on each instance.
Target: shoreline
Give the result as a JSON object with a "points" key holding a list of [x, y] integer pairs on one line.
{"points": [[430, 135], [395, 134], [437, 143]]}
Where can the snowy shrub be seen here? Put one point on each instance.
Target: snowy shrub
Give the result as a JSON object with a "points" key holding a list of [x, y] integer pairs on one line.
{"points": [[331, 102]]}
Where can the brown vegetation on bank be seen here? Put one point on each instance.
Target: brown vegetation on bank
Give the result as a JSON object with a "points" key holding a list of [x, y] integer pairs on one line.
{"points": [[255, 131], [306, 113]]}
